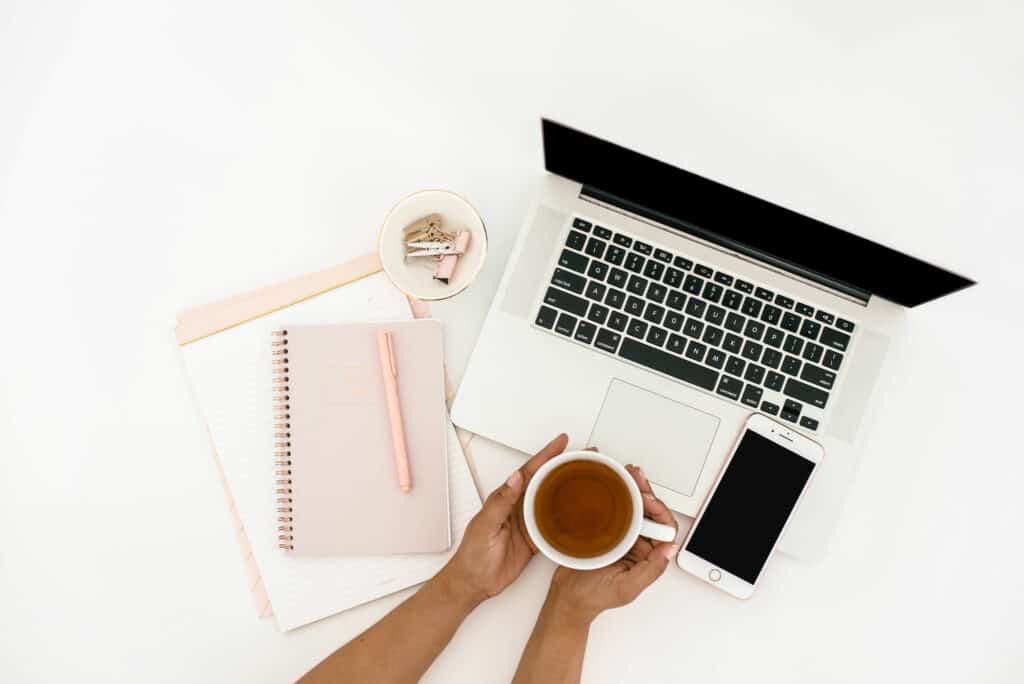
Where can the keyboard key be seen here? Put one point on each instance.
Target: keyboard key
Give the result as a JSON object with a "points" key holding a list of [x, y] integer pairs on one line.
{"points": [[723, 279], [637, 285], [712, 292], [713, 335], [835, 339], [654, 269], [546, 317], [581, 224], [569, 280], [812, 352], [585, 332], [636, 328], [732, 299], [693, 328], [703, 270], [602, 232], [595, 291], [818, 376], [744, 286], [754, 330], [669, 364], [754, 373], [751, 306], [598, 270], [762, 293], [752, 396], [618, 321], [805, 310], [844, 324], [673, 277], [824, 317], [656, 335], [793, 344], [676, 343], [791, 365], [695, 351], [735, 366], [696, 307], [730, 387], [684, 264], [623, 240], [716, 358], [635, 262], [642, 247], [615, 298], [654, 313], [565, 301], [676, 299], [732, 343], [791, 410], [771, 314], [576, 240], [771, 358], [662, 255], [595, 247], [598, 314], [810, 329], [607, 340], [566, 324], [773, 337], [734, 322], [769, 408], [784, 302], [576, 262], [790, 322], [806, 393], [809, 423], [693, 284], [752, 350], [715, 314], [656, 292], [635, 305], [774, 381], [615, 255], [618, 277], [674, 321], [833, 360]]}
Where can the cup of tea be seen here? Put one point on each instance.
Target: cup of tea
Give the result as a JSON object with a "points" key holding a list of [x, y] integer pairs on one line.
{"points": [[583, 510]]}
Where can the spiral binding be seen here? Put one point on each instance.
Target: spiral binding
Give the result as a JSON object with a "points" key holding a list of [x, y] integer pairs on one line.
{"points": [[282, 440]]}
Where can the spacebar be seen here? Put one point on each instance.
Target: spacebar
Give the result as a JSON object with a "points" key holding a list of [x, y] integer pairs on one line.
{"points": [[670, 364]]}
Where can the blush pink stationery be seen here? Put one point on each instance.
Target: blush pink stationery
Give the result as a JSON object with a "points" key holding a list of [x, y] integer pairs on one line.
{"points": [[389, 375]]}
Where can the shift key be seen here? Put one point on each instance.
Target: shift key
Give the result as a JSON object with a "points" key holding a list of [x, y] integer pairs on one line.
{"points": [[805, 393]]}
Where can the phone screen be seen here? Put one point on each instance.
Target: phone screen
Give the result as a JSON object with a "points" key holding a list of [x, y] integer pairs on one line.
{"points": [[750, 507]]}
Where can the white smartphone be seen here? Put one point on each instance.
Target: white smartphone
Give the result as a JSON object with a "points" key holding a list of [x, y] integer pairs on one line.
{"points": [[746, 512]]}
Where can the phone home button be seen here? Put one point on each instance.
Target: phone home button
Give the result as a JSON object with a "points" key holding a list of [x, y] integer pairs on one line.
{"points": [[715, 575]]}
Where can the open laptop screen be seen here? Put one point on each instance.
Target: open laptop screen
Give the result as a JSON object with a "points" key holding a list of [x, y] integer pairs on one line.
{"points": [[742, 222]]}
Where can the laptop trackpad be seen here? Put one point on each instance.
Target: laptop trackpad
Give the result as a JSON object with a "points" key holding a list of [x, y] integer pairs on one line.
{"points": [[669, 440]]}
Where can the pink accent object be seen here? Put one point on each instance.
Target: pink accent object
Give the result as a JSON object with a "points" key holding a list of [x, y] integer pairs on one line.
{"points": [[389, 369], [446, 267]]}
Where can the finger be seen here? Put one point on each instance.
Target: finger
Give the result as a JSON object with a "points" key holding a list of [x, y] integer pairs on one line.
{"points": [[553, 448], [654, 508], [502, 501], [643, 574]]}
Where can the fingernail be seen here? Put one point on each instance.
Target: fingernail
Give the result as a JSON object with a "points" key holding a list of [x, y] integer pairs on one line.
{"points": [[648, 496], [640, 471], [670, 550], [514, 478]]}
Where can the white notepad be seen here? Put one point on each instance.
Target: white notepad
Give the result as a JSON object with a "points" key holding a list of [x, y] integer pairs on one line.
{"points": [[229, 373]]}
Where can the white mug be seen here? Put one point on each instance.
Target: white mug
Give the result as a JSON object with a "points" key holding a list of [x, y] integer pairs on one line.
{"points": [[639, 526]]}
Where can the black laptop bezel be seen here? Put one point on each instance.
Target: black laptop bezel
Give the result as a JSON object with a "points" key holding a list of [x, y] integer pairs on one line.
{"points": [[752, 226]]}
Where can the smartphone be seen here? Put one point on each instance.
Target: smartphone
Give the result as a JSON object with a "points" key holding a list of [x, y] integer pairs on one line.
{"points": [[748, 508]]}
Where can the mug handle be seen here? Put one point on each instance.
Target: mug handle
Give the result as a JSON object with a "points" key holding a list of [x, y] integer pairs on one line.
{"points": [[657, 531]]}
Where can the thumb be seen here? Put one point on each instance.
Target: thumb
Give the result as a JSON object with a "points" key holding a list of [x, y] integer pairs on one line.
{"points": [[643, 574], [503, 500]]}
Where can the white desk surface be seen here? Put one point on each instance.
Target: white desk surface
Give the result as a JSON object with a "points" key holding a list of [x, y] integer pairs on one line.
{"points": [[159, 154]]}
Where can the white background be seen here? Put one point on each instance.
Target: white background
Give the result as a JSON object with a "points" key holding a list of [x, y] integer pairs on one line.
{"points": [[155, 155]]}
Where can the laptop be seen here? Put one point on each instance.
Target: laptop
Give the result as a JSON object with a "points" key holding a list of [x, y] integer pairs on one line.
{"points": [[648, 311]]}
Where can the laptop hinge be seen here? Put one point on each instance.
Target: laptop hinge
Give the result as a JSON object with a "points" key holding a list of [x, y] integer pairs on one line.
{"points": [[721, 243]]}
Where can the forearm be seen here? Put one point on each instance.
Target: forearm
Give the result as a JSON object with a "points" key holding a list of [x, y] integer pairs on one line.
{"points": [[406, 641], [555, 650]]}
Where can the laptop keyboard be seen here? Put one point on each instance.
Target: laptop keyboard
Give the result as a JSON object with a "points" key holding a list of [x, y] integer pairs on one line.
{"points": [[661, 310]]}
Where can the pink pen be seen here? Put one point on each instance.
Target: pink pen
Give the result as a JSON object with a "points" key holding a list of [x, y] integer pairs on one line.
{"points": [[386, 347]]}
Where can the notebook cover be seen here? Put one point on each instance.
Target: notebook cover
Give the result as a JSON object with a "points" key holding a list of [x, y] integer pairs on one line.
{"points": [[345, 497]]}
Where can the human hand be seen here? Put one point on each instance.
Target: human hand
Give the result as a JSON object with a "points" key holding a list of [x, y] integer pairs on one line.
{"points": [[496, 546], [582, 595]]}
